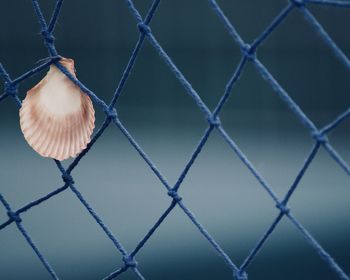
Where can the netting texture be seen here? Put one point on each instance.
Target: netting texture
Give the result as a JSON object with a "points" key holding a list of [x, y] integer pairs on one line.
{"points": [[111, 118]]}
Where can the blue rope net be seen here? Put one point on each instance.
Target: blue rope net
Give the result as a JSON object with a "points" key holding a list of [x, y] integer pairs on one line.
{"points": [[248, 56]]}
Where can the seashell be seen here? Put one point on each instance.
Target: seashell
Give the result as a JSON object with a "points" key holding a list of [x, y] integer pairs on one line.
{"points": [[56, 117]]}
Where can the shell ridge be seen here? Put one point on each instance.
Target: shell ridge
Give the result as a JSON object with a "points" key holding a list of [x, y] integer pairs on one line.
{"points": [[57, 119]]}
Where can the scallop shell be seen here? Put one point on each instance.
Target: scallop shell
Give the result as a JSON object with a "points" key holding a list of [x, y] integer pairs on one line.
{"points": [[56, 117]]}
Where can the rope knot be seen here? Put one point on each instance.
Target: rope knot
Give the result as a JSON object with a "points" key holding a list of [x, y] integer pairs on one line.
{"points": [[111, 114], [319, 137], [283, 208], [298, 3], [214, 121], [174, 195], [14, 216], [129, 261], [144, 28], [10, 88], [248, 51], [68, 179], [241, 275], [49, 38]]}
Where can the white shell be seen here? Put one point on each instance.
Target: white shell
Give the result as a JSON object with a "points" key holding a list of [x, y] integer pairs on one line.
{"points": [[56, 117]]}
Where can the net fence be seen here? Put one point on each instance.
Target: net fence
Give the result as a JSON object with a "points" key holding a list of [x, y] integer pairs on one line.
{"points": [[111, 118]]}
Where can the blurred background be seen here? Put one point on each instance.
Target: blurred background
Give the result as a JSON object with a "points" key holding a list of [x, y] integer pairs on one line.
{"points": [[221, 192]]}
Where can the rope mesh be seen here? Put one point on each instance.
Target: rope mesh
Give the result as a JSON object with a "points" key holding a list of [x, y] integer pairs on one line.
{"points": [[248, 56]]}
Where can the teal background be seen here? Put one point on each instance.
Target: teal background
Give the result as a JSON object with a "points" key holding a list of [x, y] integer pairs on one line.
{"points": [[224, 196]]}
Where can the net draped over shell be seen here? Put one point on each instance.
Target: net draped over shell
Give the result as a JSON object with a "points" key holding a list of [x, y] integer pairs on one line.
{"points": [[56, 117]]}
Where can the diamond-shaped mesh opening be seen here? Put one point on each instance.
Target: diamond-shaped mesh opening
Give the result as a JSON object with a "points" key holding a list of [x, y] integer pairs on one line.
{"points": [[225, 186], [331, 195], [97, 39], [152, 83], [159, 114], [71, 251], [329, 223], [297, 258], [208, 57], [129, 263], [294, 51], [22, 37], [262, 126], [160, 253], [127, 181]]}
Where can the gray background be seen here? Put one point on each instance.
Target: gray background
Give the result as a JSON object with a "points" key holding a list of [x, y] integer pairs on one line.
{"points": [[226, 199]]}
